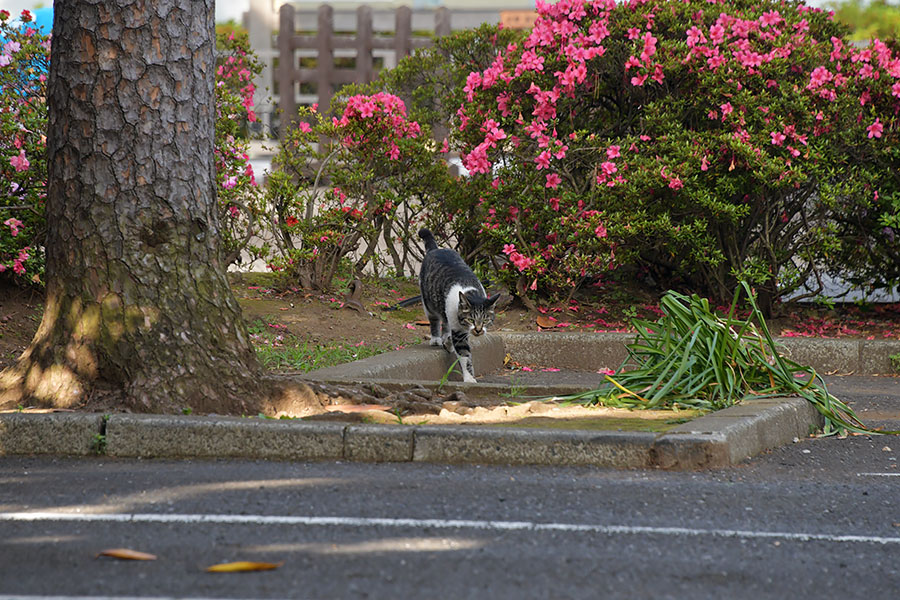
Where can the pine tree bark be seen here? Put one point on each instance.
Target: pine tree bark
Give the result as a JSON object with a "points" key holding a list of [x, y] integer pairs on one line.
{"points": [[137, 301]]}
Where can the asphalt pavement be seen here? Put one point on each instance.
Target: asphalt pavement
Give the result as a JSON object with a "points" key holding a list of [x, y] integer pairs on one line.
{"points": [[818, 517]]}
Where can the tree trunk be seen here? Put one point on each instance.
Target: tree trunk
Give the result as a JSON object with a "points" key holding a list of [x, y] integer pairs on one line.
{"points": [[137, 302]]}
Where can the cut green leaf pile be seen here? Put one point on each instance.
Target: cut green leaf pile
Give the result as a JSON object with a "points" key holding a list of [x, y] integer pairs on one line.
{"points": [[693, 358]]}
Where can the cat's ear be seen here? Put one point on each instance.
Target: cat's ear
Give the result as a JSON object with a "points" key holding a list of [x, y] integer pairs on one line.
{"points": [[492, 299], [464, 300]]}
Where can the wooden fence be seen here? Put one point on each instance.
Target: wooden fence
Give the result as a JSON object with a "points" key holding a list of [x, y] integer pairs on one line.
{"points": [[298, 52], [326, 44]]}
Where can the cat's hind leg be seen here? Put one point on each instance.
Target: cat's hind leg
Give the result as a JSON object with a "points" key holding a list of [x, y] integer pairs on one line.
{"points": [[435, 326]]}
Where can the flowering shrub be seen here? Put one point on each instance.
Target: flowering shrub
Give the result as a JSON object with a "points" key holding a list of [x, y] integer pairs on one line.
{"points": [[432, 81], [381, 171], [238, 195], [311, 234], [23, 170], [700, 141], [863, 191], [24, 61]]}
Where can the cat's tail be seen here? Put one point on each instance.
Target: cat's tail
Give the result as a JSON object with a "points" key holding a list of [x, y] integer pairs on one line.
{"points": [[428, 238]]}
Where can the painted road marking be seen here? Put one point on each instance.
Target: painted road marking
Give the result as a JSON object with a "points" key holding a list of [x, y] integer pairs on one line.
{"points": [[442, 524], [878, 474]]}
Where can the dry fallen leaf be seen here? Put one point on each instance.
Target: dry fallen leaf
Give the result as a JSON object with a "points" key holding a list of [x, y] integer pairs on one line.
{"points": [[126, 554], [242, 565], [545, 321]]}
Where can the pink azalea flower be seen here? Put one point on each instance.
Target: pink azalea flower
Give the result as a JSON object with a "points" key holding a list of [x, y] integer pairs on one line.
{"points": [[819, 77], [638, 81], [553, 180], [521, 261], [14, 225], [875, 129], [770, 18], [20, 162], [613, 152]]}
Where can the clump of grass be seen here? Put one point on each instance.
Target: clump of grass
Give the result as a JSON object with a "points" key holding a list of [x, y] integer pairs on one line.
{"points": [[694, 358], [279, 350], [895, 362]]}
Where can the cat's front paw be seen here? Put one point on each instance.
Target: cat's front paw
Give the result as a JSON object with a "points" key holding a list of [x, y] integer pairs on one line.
{"points": [[435, 341], [468, 378]]}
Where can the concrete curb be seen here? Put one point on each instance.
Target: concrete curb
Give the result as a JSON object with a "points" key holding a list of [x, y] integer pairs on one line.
{"points": [[575, 350], [734, 434], [422, 363], [71, 434], [166, 436], [717, 440]]}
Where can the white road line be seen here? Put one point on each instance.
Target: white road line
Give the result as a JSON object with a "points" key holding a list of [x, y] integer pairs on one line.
{"points": [[878, 474], [441, 524]]}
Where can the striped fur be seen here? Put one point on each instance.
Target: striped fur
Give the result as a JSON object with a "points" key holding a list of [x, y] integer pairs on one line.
{"points": [[455, 302]]}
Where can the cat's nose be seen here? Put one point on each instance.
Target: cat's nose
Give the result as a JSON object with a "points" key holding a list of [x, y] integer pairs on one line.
{"points": [[478, 331]]}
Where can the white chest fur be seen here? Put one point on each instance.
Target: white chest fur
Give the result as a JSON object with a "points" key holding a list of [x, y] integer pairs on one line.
{"points": [[451, 304]]}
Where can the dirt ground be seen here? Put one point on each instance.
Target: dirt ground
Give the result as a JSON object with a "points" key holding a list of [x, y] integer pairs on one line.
{"points": [[360, 316], [335, 317]]}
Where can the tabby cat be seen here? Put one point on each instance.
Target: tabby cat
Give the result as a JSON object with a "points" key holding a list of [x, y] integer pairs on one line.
{"points": [[455, 302]]}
